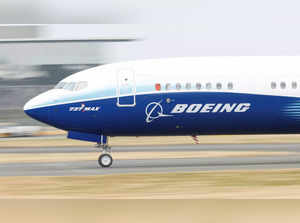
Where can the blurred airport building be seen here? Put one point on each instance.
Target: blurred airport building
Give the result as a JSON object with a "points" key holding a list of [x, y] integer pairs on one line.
{"points": [[30, 68], [21, 83]]}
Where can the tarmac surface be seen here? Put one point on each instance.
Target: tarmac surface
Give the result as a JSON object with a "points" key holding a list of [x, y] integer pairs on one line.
{"points": [[81, 168]]}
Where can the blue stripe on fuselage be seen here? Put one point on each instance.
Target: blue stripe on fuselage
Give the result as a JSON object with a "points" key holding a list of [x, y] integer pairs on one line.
{"points": [[267, 114]]}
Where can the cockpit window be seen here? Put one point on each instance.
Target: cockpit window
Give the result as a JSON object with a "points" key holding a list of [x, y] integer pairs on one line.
{"points": [[60, 85], [69, 86], [72, 86], [81, 85]]}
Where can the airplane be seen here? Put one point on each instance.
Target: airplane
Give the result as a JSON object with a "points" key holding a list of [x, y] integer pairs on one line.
{"points": [[174, 96]]}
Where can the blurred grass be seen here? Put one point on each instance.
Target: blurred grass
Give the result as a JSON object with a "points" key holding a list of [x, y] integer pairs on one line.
{"points": [[150, 210], [219, 184]]}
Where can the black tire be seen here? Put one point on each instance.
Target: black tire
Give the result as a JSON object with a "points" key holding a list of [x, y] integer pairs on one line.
{"points": [[105, 160]]}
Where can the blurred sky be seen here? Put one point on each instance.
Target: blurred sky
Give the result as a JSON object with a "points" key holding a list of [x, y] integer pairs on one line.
{"points": [[172, 28]]}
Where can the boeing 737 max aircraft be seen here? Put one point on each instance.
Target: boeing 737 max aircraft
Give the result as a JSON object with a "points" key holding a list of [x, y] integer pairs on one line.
{"points": [[175, 96]]}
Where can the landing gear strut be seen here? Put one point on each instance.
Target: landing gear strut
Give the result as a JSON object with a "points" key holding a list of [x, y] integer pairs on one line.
{"points": [[105, 159]]}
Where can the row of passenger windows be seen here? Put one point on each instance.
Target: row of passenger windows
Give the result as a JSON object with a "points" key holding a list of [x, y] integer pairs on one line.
{"points": [[72, 86], [283, 85], [198, 86]]}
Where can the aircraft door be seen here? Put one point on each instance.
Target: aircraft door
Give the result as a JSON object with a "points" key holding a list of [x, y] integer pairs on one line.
{"points": [[126, 88]]}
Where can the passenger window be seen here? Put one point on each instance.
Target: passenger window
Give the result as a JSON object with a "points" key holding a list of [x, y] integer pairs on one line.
{"points": [[294, 85], [273, 85], [282, 85], [230, 85], [168, 86], [178, 86], [188, 86], [198, 86], [157, 87], [208, 86], [219, 86]]}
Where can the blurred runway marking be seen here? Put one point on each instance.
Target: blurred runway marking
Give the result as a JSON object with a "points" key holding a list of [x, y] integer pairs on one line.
{"points": [[70, 157]]}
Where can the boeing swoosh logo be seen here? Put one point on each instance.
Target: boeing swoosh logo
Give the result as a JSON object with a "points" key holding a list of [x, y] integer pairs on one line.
{"points": [[153, 111]]}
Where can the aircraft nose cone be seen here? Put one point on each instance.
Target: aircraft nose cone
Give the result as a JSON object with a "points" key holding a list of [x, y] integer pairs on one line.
{"points": [[32, 109], [29, 105]]}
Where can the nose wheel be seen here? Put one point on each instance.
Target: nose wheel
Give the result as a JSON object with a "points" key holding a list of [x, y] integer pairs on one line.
{"points": [[105, 160]]}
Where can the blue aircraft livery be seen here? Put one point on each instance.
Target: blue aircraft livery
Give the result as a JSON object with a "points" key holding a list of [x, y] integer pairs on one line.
{"points": [[175, 96]]}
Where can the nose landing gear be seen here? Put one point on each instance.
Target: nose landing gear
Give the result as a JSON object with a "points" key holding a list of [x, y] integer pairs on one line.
{"points": [[105, 159]]}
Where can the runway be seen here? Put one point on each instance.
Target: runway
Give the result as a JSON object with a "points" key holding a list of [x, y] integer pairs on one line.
{"points": [[88, 167]]}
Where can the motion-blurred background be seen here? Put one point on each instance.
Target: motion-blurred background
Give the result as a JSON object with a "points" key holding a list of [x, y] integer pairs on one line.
{"points": [[164, 28]]}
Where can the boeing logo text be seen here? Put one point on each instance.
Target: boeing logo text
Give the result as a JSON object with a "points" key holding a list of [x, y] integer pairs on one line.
{"points": [[211, 108]]}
